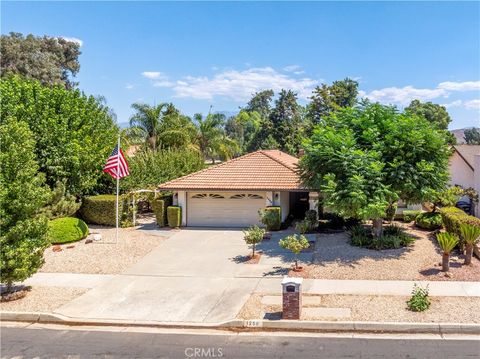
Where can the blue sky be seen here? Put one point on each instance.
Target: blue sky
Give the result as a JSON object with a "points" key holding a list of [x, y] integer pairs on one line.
{"points": [[218, 53]]}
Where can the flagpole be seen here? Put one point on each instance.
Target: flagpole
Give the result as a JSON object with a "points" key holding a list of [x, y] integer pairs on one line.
{"points": [[118, 187]]}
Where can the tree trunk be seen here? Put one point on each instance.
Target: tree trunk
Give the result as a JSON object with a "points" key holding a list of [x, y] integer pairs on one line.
{"points": [[445, 262], [296, 263], [468, 253], [377, 227], [253, 253]]}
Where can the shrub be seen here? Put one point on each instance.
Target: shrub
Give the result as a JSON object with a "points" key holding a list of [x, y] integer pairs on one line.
{"points": [[410, 215], [253, 236], [295, 243], [390, 212], [419, 300], [393, 237], [360, 236], [453, 218], [303, 226], [311, 215], [66, 230], [271, 217], [100, 209], [429, 220], [60, 204], [159, 207], [174, 216]]}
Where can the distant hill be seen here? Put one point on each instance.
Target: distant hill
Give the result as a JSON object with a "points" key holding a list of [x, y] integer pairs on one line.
{"points": [[459, 135]]}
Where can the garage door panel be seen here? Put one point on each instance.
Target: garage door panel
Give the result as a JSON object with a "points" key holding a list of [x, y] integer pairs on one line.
{"points": [[220, 210]]}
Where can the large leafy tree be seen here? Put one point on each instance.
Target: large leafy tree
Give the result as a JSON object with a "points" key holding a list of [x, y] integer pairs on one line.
{"points": [[364, 158], [286, 122], [261, 102], [23, 234], [51, 60], [211, 139], [150, 168], [73, 133], [472, 136], [243, 128], [327, 99]]}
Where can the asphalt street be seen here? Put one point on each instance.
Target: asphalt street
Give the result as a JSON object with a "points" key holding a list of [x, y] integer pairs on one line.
{"points": [[25, 342]]}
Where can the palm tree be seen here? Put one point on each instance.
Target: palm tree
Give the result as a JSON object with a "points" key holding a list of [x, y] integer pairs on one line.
{"points": [[210, 138], [447, 242], [160, 126], [146, 122], [470, 235]]}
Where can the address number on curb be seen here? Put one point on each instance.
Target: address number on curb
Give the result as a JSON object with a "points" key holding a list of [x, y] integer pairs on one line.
{"points": [[253, 323]]}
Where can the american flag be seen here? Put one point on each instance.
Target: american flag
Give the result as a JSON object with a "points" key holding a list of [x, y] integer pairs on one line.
{"points": [[114, 162]]}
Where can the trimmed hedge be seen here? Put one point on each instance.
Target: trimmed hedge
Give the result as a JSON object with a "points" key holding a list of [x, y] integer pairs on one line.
{"points": [[66, 230], [271, 217], [159, 207], [429, 220], [410, 215], [453, 217], [174, 215], [100, 209]]}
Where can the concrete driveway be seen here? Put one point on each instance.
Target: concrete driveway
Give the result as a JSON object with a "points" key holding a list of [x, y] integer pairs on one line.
{"points": [[196, 275]]}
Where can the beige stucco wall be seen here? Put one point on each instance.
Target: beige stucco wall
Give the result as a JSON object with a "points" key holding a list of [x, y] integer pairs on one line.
{"points": [[460, 173]]}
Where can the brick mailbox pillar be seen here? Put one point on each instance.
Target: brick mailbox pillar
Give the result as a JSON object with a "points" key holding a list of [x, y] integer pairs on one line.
{"points": [[291, 298]]}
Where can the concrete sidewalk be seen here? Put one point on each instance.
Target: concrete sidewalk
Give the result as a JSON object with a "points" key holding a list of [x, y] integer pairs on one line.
{"points": [[272, 284]]}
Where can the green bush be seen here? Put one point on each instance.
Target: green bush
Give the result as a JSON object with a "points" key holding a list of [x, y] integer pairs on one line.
{"points": [[271, 217], [159, 207], [311, 215], [393, 237], [419, 300], [429, 220], [174, 216], [66, 230], [253, 236], [390, 212], [295, 243], [453, 218], [410, 215], [101, 210]]}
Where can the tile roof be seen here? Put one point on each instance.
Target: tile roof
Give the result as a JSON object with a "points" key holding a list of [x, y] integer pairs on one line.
{"points": [[468, 152], [260, 170]]}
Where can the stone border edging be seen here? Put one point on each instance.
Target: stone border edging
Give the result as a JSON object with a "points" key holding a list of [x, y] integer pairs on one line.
{"points": [[244, 325]]}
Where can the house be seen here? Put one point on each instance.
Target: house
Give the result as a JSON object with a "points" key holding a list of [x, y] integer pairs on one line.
{"points": [[464, 168], [231, 194]]}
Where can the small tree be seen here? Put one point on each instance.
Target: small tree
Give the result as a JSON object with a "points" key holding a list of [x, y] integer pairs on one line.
{"points": [[447, 242], [470, 236], [23, 234], [295, 243], [253, 236]]}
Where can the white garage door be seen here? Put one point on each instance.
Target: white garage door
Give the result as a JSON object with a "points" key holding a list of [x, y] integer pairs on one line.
{"points": [[224, 209]]}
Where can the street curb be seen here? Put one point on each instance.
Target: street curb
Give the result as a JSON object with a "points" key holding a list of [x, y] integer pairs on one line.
{"points": [[255, 325]]}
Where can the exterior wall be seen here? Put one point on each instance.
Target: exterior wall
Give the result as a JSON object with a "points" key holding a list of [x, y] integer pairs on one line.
{"points": [[313, 201], [182, 202], [285, 204], [460, 173]]}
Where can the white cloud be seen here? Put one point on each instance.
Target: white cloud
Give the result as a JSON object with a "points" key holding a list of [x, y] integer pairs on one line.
{"points": [[153, 75], [403, 95], [473, 104], [72, 39], [129, 86], [456, 103], [240, 85], [460, 86], [163, 83]]}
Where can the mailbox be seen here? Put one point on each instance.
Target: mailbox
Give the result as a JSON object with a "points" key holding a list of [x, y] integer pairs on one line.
{"points": [[291, 298]]}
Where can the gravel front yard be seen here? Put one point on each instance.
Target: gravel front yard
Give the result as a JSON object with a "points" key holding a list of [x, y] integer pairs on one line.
{"points": [[103, 257], [381, 309], [335, 258], [42, 299]]}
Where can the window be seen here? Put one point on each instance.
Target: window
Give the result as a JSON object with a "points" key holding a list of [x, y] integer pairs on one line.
{"points": [[246, 196], [216, 196], [200, 195], [207, 195]]}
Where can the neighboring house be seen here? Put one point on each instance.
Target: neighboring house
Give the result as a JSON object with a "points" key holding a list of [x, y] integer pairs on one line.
{"points": [[464, 167], [231, 194]]}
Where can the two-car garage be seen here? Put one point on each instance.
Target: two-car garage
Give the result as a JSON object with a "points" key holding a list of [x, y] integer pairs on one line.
{"points": [[224, 209]]}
